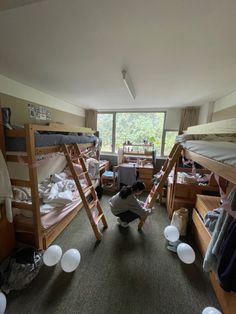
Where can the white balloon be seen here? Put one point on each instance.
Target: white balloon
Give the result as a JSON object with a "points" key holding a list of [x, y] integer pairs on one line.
{"points": [[171, 233], [210, 310], [3, 303], [70, 260], [186, 253], [52, 255]]}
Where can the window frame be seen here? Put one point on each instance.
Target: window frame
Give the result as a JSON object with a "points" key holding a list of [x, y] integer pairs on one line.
{"points": [[133, 111]]}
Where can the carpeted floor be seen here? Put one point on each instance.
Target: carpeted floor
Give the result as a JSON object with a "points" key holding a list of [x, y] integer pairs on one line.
{"points": [[127, 272]]}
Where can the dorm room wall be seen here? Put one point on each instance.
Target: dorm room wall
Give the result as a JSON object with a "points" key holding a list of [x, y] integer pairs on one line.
{"points": [[20, 113], [224, 114]]}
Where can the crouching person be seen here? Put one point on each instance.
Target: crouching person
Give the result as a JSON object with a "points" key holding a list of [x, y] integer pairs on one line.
{"points": [[126, 206]]}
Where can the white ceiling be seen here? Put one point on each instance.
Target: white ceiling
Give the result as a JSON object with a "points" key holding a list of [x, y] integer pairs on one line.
{"points": [[177, 52]]}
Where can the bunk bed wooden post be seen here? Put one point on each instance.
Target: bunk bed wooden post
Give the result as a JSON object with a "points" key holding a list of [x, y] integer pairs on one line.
{"points": [[172, 192], [32, 162]]}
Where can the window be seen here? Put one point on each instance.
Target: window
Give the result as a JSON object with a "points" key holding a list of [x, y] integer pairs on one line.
{"points": [[169, 141], [105, 128], [118, 127]]}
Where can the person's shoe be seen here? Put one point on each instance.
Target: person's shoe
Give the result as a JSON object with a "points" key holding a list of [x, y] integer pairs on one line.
{"points": [[122, 223]]}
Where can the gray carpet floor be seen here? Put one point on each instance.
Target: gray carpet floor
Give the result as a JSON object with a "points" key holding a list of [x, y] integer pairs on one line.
{"points": [[127, 272]]}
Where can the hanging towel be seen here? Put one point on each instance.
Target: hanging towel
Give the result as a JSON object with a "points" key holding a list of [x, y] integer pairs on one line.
{"points": [[5, 188]]}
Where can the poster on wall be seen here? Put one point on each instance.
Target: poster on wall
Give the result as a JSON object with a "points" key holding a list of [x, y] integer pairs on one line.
{"points": [[38, 112]]}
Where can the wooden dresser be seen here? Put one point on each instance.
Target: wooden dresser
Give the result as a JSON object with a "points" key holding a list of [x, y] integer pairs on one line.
{"points": [[145, 174], [202, 238]]}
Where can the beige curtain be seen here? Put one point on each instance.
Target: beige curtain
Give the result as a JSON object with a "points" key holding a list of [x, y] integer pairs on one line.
{"points": [[189, 117], [91, 119]]}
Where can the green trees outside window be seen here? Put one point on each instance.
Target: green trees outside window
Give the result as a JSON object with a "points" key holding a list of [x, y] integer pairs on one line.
{"points": [[119, 127]]}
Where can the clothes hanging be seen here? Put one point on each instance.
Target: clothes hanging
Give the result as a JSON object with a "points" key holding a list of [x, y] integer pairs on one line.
{"points": [[227, 265]]}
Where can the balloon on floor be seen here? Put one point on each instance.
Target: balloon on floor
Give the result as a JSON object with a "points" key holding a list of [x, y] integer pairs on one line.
{"points": [[52, 255], [211, 310], [3, 303], [70, 260], [185, 253], [171, 233]]}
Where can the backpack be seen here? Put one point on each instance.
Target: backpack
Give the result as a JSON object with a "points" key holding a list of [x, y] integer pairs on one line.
{"points": [[18, 270]]}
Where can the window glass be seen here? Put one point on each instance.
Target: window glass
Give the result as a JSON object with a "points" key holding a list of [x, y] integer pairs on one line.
{"points": [[105, 125], [169, 141], [131, 126], [139, 126]]}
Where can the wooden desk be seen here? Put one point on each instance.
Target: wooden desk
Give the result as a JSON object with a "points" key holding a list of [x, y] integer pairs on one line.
{"points": [[144, 173], [184, 195]]}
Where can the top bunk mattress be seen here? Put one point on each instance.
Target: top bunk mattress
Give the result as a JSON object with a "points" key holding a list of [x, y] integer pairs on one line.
{"points": [[43, 140], [224, 152]]}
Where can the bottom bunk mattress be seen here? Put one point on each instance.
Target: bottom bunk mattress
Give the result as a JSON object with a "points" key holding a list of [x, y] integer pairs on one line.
{"points": [[23, 220], [224, 152], [23, 223]]}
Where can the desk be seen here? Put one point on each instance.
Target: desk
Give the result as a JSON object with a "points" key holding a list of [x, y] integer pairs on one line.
{"points": [[143, 173], [184, 195]]}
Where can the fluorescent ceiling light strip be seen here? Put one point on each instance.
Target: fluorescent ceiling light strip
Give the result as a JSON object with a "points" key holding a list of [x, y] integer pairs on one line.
{"points": [[128, 84]]}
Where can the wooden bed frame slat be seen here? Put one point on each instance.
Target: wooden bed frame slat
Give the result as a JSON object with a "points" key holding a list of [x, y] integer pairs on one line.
{"points": [[23, 183], [30, 145], [56, 127], [15, 133], [22, 205], [55, 149], [17, 158]]}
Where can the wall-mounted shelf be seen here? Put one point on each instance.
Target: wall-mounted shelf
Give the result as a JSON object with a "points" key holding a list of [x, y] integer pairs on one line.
{"points": [[138, 150]]}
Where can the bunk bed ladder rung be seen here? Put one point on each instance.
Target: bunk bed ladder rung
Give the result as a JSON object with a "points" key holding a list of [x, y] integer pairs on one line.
{"points": [[166, 169], [88, 188], [90, 207]]}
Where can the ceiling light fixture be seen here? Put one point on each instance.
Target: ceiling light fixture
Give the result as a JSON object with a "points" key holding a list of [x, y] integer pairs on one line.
{"points": [[128, 84]]}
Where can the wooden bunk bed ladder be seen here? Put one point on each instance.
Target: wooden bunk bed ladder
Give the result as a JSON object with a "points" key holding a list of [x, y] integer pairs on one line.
{"points": [[156, 190], [88, 192]]}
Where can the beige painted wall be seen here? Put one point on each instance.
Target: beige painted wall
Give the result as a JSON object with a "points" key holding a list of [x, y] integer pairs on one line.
{"points": [[20, 114], [224, 114], [173, 116], [205, 113]]}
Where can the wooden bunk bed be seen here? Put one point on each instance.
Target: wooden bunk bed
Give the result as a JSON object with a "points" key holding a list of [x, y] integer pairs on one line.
{"points": [[28, 147], [213, 146]]}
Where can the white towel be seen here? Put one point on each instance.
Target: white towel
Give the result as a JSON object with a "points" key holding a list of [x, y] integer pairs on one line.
{"points": [[5, 188]]}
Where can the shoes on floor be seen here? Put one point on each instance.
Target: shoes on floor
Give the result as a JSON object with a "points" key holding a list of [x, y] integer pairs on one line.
{"points": [[122, 223]]}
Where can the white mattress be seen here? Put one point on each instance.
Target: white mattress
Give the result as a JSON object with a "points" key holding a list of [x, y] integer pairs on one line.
{"points": [[224, 152]]}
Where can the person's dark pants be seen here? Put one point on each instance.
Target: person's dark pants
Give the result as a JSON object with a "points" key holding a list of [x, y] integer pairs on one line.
{"points": [[128, 216]]}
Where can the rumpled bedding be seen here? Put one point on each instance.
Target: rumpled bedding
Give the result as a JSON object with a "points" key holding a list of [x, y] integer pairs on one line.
{"points": [[57, 191]]}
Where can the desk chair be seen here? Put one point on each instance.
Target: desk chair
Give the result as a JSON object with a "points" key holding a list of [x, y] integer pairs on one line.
{"points": [[109, 178]]}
